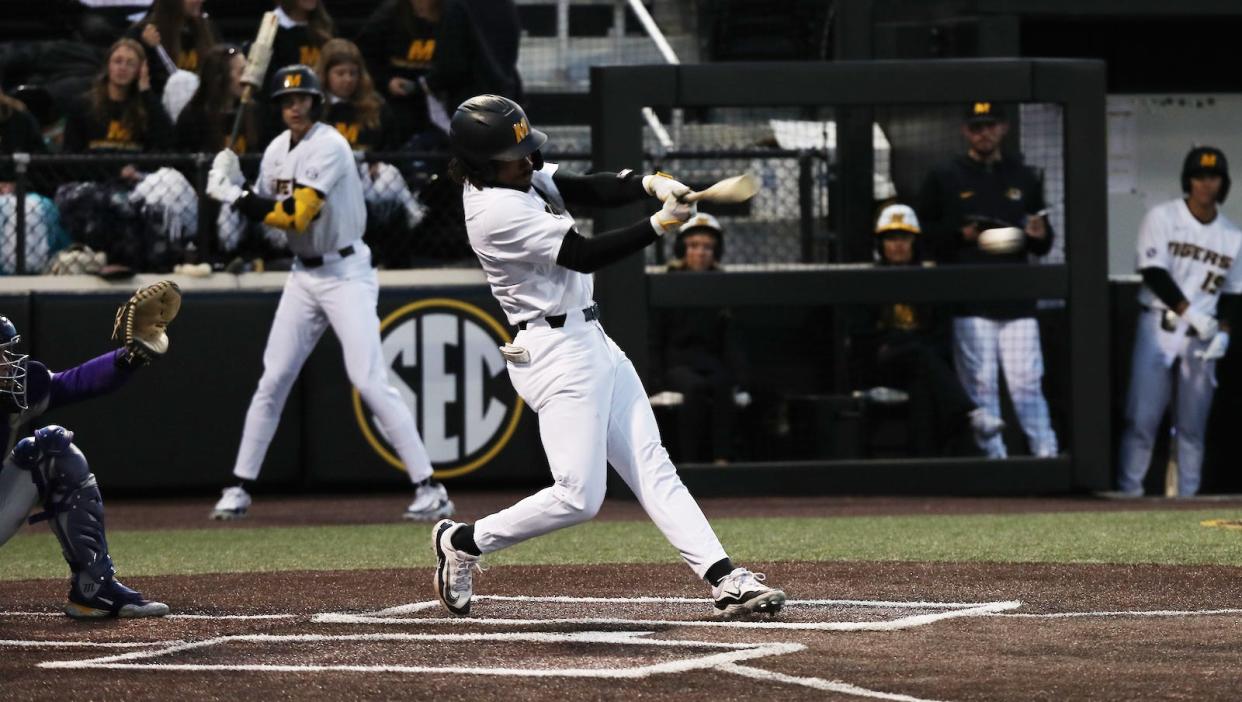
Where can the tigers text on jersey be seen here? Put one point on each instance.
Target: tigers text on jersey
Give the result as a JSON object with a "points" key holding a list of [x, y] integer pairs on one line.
{"points": [[1201, 258], [321, 160], [517, 237]]}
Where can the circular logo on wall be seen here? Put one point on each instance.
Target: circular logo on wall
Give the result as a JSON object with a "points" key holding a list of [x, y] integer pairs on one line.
{"points": [[443, 358]]}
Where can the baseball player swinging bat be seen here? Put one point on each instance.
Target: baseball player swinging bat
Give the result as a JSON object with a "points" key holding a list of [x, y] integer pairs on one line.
{"points": [[736, 189], [256, 68]]}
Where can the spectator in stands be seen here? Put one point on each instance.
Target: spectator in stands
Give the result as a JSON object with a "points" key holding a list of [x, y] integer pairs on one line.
{"points": [[365, 120], [476, 51], [697, 353], [20, 133], [305, 26], [985, 188], [207, 120], [120, 115], [906, 346], [399, 43], [184, 32]]}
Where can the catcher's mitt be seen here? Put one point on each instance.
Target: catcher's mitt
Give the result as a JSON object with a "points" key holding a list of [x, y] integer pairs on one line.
{"points": [[140, 322]]}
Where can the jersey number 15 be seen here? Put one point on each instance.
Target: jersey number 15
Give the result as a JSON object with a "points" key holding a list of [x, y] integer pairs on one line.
{"points": [[1212, 282]]}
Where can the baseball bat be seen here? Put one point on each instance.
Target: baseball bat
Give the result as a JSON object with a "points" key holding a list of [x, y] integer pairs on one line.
{"points": [[736, 189], [256, 69]]}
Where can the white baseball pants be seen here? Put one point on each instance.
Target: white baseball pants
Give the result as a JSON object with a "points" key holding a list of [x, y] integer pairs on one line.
{"points": [[343, 294], [593, 411], [1151, 385], [979, 344]]}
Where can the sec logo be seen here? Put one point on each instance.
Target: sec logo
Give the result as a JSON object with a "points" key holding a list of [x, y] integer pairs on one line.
{"points": [[442, 355]]}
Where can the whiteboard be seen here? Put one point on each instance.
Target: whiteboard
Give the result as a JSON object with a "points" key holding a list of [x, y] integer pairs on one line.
{"points": [[1148, 136]]}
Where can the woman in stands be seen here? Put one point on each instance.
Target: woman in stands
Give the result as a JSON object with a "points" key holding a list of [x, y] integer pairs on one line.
{"points": [[399, 42], [207, 120], [182, 29], [305, 27], [120, 112]]}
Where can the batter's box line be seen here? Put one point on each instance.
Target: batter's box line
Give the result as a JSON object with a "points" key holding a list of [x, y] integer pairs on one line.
{"points": [[390, 616], [731, 653]]}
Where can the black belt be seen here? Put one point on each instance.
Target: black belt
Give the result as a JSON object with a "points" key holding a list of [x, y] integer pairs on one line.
{"points": [[556, 321], [317, 261]]}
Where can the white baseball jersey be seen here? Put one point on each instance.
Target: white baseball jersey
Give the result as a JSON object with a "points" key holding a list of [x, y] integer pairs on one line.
{"points": [[1199, 257], [321, 160], [517, 237]]}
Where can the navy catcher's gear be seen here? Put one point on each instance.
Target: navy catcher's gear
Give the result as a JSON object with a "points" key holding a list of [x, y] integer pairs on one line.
{"points": [[12, 369], [1206, 160], [71, 502], [489, 128]]}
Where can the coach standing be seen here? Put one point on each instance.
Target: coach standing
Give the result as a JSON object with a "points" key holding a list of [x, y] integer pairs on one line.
{"points": [[981, 189]]}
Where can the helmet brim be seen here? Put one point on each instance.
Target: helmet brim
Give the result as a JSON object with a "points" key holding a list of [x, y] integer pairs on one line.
{"points": [[532, 143]]}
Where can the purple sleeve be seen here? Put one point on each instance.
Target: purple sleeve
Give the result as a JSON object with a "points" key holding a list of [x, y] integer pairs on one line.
{"points": [[96, 377]]}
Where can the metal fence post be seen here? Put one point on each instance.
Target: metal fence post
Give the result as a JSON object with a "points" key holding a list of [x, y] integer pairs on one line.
{"points": [[21, 163], [806, 206], [207, 208]]}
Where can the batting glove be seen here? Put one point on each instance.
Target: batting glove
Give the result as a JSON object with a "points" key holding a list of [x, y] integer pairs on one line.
{"points": [[1216, 348], [225, 178], [672, 215], [1205, 325], [663, 185]]}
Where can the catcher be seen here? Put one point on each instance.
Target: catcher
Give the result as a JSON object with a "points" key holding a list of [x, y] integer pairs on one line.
{"points": [[46, 468]]}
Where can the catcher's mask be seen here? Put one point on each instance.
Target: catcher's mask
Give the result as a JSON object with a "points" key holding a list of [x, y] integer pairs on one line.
{"points": [[489, 128], [12, 368], [1206, 160]]}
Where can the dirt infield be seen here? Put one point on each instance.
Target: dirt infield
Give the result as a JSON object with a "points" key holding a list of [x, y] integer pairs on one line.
{"points": [[856, 631]]}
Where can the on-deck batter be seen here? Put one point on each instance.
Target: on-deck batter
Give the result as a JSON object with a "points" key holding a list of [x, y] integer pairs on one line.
{"points": [[1187, 253], [309, 186], [592, 408]]}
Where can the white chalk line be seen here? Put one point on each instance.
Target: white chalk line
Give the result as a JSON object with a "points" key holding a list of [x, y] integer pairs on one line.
{"points": [[1130, 613], [15, 643], [816, 683], [966, 610], [732, 653]]}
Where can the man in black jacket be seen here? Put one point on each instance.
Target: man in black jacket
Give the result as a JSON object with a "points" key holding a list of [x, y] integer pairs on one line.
{"points": [[979, 190]]}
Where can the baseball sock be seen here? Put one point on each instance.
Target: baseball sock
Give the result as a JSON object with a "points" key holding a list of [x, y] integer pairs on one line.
{"points": [[717, 572], [463, 540]]}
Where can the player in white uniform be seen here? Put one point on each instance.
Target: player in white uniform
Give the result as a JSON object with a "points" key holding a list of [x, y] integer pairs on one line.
{"points": [[1187, 254], [308, 185], [592, 408]]}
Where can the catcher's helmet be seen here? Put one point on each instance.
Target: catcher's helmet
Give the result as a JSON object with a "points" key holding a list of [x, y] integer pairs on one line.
{"points": [[1206, 160], [12, 368], [489, 128], [297, 79]]}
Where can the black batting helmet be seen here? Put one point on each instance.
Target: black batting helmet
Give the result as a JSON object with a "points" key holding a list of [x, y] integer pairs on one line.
{"points": [[1206, 160], [489, 128], [297, 79]]}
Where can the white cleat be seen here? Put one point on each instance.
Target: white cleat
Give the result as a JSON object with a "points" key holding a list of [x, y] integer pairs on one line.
{"points": [[431, 503], [743, 592], [233, 504], [454, 578]]}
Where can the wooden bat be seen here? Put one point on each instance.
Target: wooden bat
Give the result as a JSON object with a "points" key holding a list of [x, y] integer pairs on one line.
{"points": [[736, 189], [256, 69]]}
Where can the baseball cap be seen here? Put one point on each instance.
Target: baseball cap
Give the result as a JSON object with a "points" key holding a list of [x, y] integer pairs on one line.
{"points": [[701, 220], [983, 112], [897, 218]]}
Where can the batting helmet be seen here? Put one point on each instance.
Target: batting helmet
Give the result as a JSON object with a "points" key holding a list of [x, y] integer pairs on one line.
{"points": [[297, 79], [1206, 160], [489, 128], [12, 368], [701, 223]]}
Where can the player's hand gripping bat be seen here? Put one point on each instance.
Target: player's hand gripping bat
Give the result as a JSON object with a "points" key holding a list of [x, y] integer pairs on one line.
{"points": [[256, 68], [736, 189]]}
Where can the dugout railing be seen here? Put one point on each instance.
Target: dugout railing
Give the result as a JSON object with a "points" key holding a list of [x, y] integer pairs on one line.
{"points": [[855, 89]]}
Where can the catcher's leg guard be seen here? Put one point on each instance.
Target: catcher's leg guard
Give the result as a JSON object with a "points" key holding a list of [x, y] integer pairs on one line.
{"points": [[73, 507]]}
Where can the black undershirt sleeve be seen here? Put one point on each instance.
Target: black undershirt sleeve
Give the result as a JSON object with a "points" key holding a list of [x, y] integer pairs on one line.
{"points": [[1161, 283], [599, 189], [584, 255], [254, 206]]}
